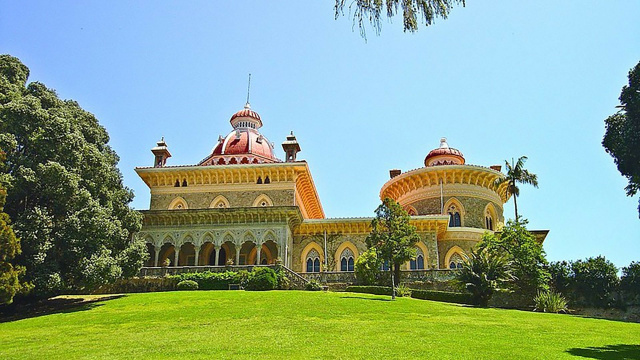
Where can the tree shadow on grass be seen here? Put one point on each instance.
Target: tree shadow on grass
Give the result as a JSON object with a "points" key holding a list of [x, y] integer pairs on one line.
{"points": [[609, 352], [55, 305], [364, 298]]}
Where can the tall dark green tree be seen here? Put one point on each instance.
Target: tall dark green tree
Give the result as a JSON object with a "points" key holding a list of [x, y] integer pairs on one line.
{"points": [[516, 173], [65, 195], [622, 135], [413, 12], [392, 237], [10, 274]]}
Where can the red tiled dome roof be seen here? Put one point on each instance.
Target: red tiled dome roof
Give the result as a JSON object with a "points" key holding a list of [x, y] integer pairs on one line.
{"points": [[244, 141], [444, 155], [246, 114]]}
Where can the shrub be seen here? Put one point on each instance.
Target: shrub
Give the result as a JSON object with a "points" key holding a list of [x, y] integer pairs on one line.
{"points": [[376, 290], [561, 276], [444, 296], [187, 285], [550, 301], [403, 291], [630, 283], [483, 273], [261, 279], [283, 280], [596, 280], [367, 267], [211, 280], [313, 285]]}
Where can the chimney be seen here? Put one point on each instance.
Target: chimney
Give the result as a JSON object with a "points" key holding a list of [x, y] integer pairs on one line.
{"points": [[497, 168], [394, 172]]}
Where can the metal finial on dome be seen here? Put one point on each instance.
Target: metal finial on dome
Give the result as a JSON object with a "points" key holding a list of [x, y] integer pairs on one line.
{"points": [[248, 105], [443, 143]]}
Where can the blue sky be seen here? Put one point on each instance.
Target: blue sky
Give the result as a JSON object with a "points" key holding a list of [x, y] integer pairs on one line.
{"points": [[499, 79]]}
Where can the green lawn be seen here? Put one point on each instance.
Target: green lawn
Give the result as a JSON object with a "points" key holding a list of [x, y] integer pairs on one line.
{"points": [[297, 324]]}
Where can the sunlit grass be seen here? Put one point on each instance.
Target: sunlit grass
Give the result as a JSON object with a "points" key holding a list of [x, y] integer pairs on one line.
{"points": [[290, 324]]}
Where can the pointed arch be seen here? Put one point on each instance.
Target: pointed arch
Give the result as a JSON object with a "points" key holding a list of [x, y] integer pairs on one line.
{"points": [[419, 264], [219, 202], [411, 210], [262, 201], [453, 207], [347, 245], [178, 203], [309, 249], [269, 235], [490, 217], [454, 256]]}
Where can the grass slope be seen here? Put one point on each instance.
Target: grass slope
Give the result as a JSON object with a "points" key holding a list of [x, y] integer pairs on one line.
{"points": [[290, 324]]}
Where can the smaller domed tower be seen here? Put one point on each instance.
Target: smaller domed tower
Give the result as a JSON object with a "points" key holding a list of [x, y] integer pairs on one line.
{"points": [[161, 152], [291, 148]]}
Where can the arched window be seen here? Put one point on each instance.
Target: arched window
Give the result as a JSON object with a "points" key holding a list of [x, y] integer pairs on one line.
{"points": [[455, 261], [219, 202], [385, 266], [178, 204], [259, 180], [267, 180], [418, 263], [313, 261], [411, 211], [184, 182], [346, 260], [177, 184], [262, 201], [489, 217], [454, 216]]}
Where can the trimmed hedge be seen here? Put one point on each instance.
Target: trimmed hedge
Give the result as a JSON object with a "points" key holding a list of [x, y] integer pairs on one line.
{"points": [[187, 285], [208, 280], [261, 279], [444, 296], [376, 290]]}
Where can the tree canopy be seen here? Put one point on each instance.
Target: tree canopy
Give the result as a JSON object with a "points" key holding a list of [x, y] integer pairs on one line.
{"points": [[622, 134], [413, 12], [525, 254], [65, 192], [392, 237]]}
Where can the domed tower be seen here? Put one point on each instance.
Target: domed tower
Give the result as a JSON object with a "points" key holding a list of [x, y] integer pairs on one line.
{"points": [[446, 185], [244, 144]]}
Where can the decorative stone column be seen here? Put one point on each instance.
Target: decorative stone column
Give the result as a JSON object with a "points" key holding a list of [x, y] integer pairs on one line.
{"points": [[196, 248], [157, 249], [237, 255], [224, 262], [176, 255], [258, 249]]}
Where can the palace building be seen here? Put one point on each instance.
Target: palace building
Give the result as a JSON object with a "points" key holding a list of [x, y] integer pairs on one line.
{"points": [[242, 205]]}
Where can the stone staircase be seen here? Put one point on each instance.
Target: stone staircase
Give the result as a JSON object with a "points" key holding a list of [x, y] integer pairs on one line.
{"points": [[297, 281]]}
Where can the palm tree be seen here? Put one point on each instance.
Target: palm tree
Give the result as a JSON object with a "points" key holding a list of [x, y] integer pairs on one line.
{"points": [[516, 173], [483, 273]]}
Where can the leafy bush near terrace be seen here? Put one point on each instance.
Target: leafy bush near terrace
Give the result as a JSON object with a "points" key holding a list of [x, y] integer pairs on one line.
{"points": [[261, 279], [212, 280], [443, 296], [187, 285]]}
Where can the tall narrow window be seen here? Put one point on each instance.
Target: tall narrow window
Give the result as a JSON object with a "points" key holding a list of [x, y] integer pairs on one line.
{"points": [[313, 261], [454, 216], [346, 260], [418, 263], [455, 262]]}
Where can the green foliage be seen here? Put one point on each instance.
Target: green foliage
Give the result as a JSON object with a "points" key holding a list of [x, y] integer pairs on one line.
{"points": [[284, 283], [622, 135], [187, 285], [208, 280], [261, 279], [484, 273], [65, 194], [313, 285], [403, 291], [595, 281], [524, 253], [376, 290], [516, 173], [392, 237], [630, 283], [412, 12], [138, 285], [561, 276], [443, 296], [367, 267], [550, 301], [10, 274]]}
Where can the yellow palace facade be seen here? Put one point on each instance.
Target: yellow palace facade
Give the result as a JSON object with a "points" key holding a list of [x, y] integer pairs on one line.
{"points": [[241, 205]]}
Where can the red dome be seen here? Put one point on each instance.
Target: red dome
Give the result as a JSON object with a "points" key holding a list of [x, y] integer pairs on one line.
{"points": [[247, 116], [444, 155], [241, 146]]}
